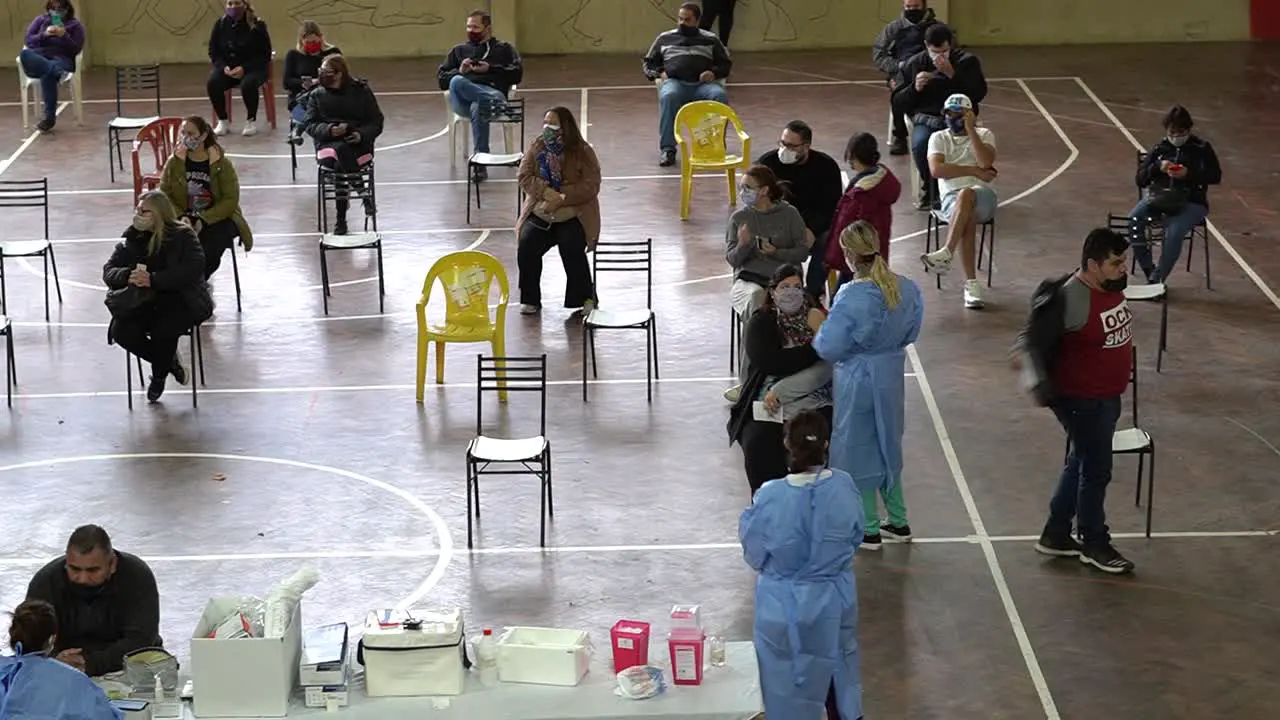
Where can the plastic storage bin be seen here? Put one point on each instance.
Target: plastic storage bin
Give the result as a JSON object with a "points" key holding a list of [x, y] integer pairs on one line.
{"points": [[543, 656]]}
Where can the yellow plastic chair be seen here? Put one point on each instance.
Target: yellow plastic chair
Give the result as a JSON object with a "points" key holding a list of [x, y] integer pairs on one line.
{"points": [[467, 277], [707, 122]]}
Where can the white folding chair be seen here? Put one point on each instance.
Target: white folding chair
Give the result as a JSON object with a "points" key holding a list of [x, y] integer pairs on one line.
{"points": [[508, 131]]}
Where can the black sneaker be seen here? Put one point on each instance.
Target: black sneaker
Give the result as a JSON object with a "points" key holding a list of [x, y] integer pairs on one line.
{"points": [[46, 124], [871, 541], [667, 158], [155, 388], [179, 373], [898, 146], [479, 174], [340, 227], [1058, 545], [1106, 559], [895, 533]]}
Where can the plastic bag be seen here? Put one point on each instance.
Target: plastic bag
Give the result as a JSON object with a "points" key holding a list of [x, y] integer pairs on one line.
{"points": [[284, 598], [142, 667], [640, 683]]}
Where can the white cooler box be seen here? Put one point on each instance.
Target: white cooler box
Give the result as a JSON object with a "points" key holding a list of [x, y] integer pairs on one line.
{"points": [[414, 653], [543, 656]]}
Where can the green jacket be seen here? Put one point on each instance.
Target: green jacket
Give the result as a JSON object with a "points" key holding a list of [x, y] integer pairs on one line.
{"points": [[226, 191]]}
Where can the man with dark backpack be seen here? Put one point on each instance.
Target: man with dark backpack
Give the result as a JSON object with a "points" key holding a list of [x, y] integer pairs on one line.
{"points": [[1074, 355]]}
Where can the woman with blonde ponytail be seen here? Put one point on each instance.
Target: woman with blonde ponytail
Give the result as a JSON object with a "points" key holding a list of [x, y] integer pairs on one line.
{"points": [[872, 321]]}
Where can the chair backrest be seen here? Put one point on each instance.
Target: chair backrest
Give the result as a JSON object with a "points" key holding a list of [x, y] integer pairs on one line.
{"points": [[511, 374], [1118, 223], [512, 114], [467, 278], [707, 122], [1141, 158], [631, 256], [358, 186], [162, 137], [134, 79], [27, 193]]}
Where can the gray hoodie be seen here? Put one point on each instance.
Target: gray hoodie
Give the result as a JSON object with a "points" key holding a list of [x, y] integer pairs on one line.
{"points": [[782, 226]]}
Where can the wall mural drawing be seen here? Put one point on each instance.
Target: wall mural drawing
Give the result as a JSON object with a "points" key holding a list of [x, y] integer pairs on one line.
{"points": [[369, 13], [173, 16], [21, 13], [575, 26], [591, 19]]}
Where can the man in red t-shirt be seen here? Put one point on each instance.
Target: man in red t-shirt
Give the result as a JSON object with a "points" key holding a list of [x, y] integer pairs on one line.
{"points": [[1079, 337]]}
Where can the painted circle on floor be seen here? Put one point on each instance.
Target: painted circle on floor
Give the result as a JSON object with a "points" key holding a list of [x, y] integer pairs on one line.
{"points": [[445, 540]]}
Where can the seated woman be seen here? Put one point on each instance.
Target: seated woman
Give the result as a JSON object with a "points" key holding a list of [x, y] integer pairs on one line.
{"points": [[800, 535], [783, 373], [872, 191], [33, 685], [302, 71], [343, 118], [873, 320], [1175, 177], [54, 39], [240, 50], [156, 289], [203, 186], [560, 177], [765, 234]]}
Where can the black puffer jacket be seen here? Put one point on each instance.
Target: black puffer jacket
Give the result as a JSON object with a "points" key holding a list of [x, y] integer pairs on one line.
{"points": [[233, 43], [1196, 155], [177, 268], [352, 104], [925, 106]]}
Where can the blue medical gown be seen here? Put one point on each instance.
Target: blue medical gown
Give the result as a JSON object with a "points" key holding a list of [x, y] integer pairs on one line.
{"points": [[801, 540], [34, 686], [866, 342]]}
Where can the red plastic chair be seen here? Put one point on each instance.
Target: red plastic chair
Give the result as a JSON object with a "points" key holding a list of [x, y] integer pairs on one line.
{"points": [[268, 94], [162, 136]]}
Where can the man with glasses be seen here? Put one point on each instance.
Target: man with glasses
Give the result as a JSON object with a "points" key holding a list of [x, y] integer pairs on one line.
{"points": [[814, 186]]}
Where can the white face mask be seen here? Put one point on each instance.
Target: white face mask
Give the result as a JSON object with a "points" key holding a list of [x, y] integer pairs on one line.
{"points": [[1178, 141], [787, 156]]}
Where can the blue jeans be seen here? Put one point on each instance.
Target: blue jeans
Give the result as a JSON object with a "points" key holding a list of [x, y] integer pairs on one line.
{"points": [[297, 113], [1176, 229], [473, 100], [815, 278], [675, 94], [1082, 487], [49, 72]]}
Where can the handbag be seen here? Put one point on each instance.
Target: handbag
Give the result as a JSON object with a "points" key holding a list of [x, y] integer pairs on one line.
{"points": [[127, 300], [1167, 200]]}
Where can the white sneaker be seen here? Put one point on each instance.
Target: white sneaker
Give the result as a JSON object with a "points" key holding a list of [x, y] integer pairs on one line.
{"points": [[222, 128], [527, 309], [66, 78], [733, 394], [250, 129], [937, 262], [973, 295]]}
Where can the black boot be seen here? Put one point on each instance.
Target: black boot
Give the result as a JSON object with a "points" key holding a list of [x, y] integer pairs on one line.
{"points": [[340, 227]]}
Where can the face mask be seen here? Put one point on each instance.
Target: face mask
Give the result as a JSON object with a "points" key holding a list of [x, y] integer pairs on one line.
{"points": [[311, 48], [551, 134], [475, 37], [88, 592], [234, 13], [955, 124], [790, 300], [913, 16], [142, 223], [688, 31], [749, 196], [1178, 141], [787, 156], [939, 57], [192, 143], [1117, 285], [329, 81]]}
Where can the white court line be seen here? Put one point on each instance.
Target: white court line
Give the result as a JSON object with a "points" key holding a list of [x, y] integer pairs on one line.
{"points": [[988, 549], [1071, 158], [587, 549], [309, 234], [479, 241], [649, 87], [375, 388], [583, 122], [29, 139], [1213, 229], [381, 148]]}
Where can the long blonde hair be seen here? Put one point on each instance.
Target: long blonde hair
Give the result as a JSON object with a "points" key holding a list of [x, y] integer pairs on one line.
{"points": [[861, 245], [311, 27], [165, 218]]}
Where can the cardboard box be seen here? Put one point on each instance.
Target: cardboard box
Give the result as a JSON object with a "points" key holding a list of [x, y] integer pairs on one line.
{"points": [[319, 696], [324, 656], [247, 677]]}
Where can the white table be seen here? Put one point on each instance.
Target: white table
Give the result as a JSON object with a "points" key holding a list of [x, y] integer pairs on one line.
{"points": [[727, 693]]}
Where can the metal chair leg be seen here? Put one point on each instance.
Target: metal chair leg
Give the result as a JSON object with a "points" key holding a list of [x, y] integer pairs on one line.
{"points": [[235, 274], [1151, 489]]}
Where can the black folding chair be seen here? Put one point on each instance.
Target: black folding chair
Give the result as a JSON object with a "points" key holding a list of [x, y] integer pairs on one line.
{"points": [[197, 366], [622, 257], [122, 129], [355, 187], [28, 194], [509, 113]]}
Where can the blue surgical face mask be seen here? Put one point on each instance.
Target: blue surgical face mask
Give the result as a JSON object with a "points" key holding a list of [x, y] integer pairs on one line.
{"points": [[955, 123], [789, 299], [748, 195]]}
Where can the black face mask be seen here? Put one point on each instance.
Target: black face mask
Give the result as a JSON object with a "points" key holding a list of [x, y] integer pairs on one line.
{"points": [[687, 31], [1117, 285], [913, 16], [87, 593]]}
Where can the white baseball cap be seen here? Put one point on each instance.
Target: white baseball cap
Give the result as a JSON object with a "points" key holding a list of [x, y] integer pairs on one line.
{"points": [[958, 101]]}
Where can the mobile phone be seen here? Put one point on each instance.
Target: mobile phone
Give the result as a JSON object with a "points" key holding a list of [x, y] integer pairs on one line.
{"points": [[130, 705], [55, 20]]}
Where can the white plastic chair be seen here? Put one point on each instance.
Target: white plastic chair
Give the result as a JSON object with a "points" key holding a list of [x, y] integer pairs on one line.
{"points": [[27, 95], [508, 130]]}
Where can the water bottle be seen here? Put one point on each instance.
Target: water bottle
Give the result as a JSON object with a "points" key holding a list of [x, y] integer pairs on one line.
{"points": [[487, 658], [717, 651]]}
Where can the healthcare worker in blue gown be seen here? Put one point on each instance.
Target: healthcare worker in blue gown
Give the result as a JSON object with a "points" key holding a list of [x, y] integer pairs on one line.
{"points": [[34, 686], [871, 322], [800, 534]]}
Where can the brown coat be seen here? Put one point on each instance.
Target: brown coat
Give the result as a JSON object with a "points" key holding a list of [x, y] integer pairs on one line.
{"points": [[581, 188]]}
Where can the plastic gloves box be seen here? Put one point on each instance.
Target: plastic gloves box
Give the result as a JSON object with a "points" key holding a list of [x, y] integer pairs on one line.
{"points": [[243, 677], [543, 656], [413, 653], [324, 656], [319, 696]]}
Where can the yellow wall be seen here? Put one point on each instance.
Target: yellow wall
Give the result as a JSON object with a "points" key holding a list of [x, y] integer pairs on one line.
{"points": [[168, 31]]}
